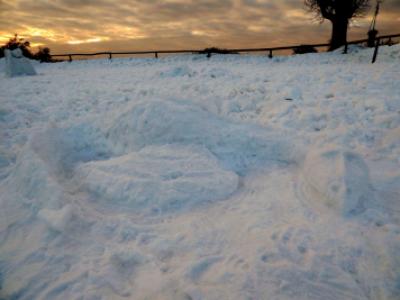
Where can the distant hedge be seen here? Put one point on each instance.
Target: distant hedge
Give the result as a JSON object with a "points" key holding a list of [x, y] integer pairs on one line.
{"points": [[216, 50], [43, 55], [303, 49]]}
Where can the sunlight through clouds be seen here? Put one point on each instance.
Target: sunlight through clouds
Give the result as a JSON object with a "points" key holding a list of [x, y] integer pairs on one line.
{"points": [[91, 40]]}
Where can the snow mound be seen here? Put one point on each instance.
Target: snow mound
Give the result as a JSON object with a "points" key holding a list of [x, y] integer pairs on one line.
{"points": [[33, 178], [339, 179], [17, 64], [238, 146], [63, 148], [50, 156], [158, 178]]}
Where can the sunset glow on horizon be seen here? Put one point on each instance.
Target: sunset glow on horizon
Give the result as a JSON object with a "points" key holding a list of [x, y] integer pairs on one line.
{"points": [[100, 25]]}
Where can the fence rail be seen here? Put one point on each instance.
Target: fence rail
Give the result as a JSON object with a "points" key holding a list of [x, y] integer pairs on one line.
{"points": [[270, 51]]}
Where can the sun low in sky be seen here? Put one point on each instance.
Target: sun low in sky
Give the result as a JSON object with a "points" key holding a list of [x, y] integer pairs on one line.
{"points": [[121, 25]]}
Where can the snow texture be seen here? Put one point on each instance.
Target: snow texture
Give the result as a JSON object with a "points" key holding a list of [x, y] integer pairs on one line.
{"points": [[237, 146], [340, 180], [159, 178], [234, 177]]}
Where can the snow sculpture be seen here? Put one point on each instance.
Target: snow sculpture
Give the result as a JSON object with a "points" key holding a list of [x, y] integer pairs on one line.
{"points": [[17, 64], [339, 180], [158, 179]]}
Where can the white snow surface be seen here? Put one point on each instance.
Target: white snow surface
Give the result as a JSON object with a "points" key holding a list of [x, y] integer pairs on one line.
{"points": [[234, 177], [16, 64]]}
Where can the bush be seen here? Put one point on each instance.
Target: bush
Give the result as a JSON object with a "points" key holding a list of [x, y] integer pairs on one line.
{"points": [[216, 50], [43, 55], [303, 49], [389, 42], [20, 43]]}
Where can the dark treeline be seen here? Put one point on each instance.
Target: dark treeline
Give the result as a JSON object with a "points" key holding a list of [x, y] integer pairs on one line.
{"points": [[43, 54]]}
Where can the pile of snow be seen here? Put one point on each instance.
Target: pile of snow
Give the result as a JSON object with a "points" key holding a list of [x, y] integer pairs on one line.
{"points": [[234, 177], [159, 178], [48, 159], [238, 146], [338, 179], [17, 64]]}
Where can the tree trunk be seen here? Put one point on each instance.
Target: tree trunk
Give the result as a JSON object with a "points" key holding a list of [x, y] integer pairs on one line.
{"points": [[339, 33]]}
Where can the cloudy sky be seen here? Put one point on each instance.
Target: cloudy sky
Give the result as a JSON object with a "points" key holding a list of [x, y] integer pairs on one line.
{"points": [[95, 25]]}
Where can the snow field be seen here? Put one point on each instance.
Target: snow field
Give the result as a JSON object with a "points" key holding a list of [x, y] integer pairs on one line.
{"points": [[186, 178]]}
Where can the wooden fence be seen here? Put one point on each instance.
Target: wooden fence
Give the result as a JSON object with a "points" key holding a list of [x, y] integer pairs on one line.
{"points": [[378, 41]]}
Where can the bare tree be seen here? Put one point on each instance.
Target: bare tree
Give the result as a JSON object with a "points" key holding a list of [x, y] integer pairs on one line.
{"points": [[339, 12]]}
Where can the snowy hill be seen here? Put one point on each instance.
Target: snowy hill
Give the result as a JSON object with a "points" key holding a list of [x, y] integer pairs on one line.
{"points": [[235, 177]]}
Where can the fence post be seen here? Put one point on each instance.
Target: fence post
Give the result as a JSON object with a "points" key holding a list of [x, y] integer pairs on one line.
{"points": [[377, 42], [270, 53], [156, 54], [110, 55], [70, 58], [346, 46]]}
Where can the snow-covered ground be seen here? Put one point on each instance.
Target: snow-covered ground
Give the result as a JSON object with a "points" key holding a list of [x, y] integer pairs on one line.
{"points": [[237, 177]]}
